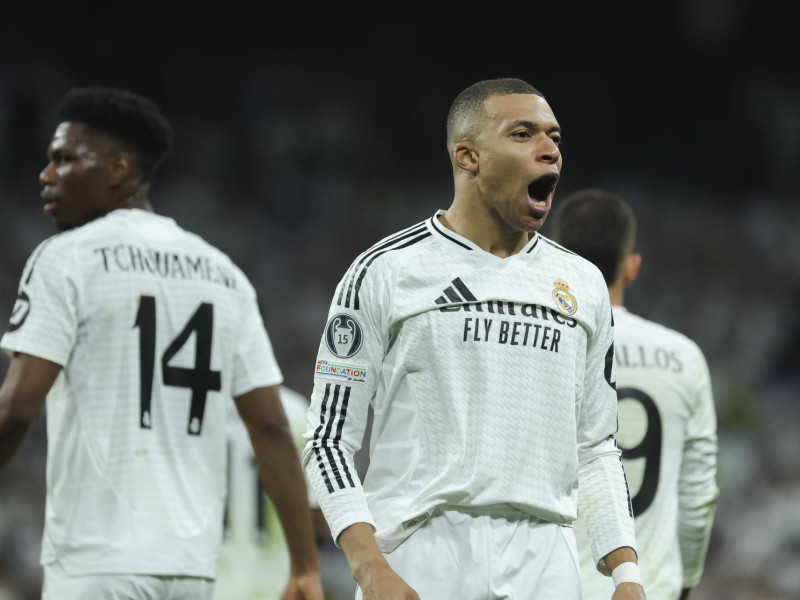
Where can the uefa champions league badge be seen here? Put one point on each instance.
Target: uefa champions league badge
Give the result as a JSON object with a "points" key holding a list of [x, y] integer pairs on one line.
{"points": [[343, 335], [565, 302], [22, 308]]}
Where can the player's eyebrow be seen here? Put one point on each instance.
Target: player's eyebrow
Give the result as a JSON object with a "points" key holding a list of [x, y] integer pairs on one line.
{"points": [[534, 126]]}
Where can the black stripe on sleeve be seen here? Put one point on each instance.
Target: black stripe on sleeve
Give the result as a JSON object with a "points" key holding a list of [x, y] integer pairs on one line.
{"points": [[328, 450], [338, 437], [317, 441]]}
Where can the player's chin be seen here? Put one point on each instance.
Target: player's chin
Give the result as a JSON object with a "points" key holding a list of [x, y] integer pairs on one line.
{"points": [[532, 221]]}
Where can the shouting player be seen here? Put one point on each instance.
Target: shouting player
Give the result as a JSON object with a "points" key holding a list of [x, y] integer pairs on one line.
{"points": [[139, 333], [667, 424], [486, 352]]}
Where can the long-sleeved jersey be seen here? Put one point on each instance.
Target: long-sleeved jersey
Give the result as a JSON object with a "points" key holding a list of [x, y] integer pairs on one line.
{"points": [[667, 432], [491, 381]]}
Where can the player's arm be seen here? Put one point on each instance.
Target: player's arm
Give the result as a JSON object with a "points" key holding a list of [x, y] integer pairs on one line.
{"points": [[345, 383], [321, 531], [22, 396], [697, 486], [282, 477], [603, 497], [627, 588], [375, 577]]}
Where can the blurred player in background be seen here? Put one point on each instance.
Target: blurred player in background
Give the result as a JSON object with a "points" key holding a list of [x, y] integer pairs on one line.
{"points": [[667, 424], [139, 334], [254, 563], [485, 351]]}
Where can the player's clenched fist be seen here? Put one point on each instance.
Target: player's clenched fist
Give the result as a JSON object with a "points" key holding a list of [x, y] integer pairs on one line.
{"points": [[304, 587]]}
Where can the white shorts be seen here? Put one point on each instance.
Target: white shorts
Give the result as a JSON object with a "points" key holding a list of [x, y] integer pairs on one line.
{"points": [[60, 586], [497, 555]]}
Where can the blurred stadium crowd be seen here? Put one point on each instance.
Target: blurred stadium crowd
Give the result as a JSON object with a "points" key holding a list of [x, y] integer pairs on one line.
{"points": [[297, 150]]}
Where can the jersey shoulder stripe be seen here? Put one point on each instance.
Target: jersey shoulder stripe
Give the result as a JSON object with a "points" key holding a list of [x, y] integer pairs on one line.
{"points": [[348, 293], [556, 246], [384, 243]]}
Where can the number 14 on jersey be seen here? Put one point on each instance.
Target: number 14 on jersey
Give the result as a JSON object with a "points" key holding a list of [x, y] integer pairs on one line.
{"points": [[200, 379]]}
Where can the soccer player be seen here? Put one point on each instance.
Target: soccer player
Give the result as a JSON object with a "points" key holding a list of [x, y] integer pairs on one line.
{"points": [[253, 562], [667, 425], [486, 352], [139, 333]]}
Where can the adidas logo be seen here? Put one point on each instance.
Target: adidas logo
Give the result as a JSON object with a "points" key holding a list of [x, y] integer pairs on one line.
{"points": [[451, 293]]}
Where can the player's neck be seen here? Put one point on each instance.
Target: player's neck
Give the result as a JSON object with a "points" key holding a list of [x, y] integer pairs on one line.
{"points": [[484, 229], [139, 199], [617, 295]]}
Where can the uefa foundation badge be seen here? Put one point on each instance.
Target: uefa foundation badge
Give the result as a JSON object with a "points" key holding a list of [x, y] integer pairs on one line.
{"points": [[565, 302], [343, 335]]}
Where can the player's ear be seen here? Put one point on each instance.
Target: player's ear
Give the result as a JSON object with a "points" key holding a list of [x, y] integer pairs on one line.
{"points": [[120, 168], [465, 156], [631, 268]]}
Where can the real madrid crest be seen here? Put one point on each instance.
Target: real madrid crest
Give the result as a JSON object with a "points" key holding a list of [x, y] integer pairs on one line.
{"points": [[565, 302], [343, 335]]}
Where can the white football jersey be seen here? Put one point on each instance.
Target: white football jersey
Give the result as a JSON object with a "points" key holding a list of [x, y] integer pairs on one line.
{"points": [[254, 560], [156, 331], [491, 381], [667, 433]]}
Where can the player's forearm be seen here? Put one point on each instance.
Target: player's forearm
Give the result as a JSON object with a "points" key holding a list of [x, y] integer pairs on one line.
{"points": [[616, 557], [626, 589], [13, 431], [16, 419], [359, 546], [282, 477]]}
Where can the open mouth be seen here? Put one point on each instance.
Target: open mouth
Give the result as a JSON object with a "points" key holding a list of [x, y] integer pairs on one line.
{"points": [[540, 191]]}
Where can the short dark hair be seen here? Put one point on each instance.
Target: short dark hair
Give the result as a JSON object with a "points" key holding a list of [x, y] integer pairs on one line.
{"points": [[131, 120], [468, 105], [599, 226]]}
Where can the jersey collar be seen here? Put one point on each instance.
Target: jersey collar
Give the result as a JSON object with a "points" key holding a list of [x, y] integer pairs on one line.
{"points": [[451, 237]]}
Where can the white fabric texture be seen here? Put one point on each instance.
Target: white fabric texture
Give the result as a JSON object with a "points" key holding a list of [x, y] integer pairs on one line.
{"points": [[57, 585], [498, 554], [156, 331], [490, 383], [673, 474]]}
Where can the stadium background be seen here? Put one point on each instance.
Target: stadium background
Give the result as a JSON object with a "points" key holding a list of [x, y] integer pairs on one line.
{"points": [[305, 134]]}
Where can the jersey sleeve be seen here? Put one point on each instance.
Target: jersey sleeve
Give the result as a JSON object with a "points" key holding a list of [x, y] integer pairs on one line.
{"points": [[346, 377], [603, 496], [698, 489], [254, 363], [45, 318]]}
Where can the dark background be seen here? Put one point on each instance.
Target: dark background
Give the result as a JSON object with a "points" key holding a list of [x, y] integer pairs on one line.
{"points": [[306, 133]]}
